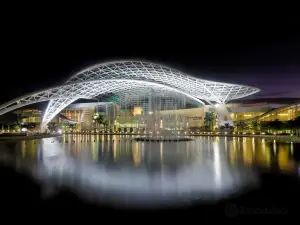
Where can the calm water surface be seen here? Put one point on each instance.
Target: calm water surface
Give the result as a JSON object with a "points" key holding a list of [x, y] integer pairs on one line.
{"points": [[118, 170]]}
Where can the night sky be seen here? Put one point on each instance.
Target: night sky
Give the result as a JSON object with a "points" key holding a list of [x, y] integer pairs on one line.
{"points": [[263, 53]]}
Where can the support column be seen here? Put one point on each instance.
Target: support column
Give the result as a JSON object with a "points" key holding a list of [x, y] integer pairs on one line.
{"points": [[223, 115], [43, 127]]}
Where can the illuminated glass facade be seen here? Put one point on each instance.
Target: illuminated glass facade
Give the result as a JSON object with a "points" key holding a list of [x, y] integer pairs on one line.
{"points": [[73, 114], [29, 115], [243, 112], [285, 113], [240, 116], [134, 116]]}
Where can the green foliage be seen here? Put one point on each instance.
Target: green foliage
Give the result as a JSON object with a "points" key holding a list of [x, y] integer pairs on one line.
{"points": [[209, 119], [241, 125], [99, 118], [255, 125], [277, 125], [16, 127], [295, 123], [53, 126]]}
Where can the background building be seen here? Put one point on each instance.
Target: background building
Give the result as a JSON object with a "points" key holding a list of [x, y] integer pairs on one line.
{"points": [[172, 114]]}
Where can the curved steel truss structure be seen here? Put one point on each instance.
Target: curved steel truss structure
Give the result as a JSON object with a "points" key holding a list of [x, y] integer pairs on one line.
{"points": [[124, 75], [166, 99]]}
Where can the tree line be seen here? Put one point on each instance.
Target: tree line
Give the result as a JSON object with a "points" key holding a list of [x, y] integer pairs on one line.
{"points": [[275, 126]]}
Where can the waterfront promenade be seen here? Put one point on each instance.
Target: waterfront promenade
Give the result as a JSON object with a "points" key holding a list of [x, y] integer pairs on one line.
{"points": [[288, 138], [284, 138], [29, 137]]}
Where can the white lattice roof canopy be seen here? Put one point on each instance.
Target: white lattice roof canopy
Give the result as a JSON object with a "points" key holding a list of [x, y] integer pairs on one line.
{"points": [[125, 75]]}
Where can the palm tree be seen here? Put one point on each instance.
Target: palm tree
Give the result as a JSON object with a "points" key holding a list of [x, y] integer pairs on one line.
{"points": [[209, 119], [16, 127], [99, 119], [72, 126], [255, 125], [241, 125]]}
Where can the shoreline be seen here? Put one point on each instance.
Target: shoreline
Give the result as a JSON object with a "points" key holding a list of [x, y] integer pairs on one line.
{"points": [[29, 137], [267, 137], [285, 138]]}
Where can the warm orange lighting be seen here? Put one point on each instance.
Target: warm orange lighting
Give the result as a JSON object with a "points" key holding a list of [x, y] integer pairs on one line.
{"points": [[137, 110]]}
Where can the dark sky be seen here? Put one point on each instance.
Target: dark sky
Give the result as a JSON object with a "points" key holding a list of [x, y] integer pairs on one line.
{"points": [[262, 52]]}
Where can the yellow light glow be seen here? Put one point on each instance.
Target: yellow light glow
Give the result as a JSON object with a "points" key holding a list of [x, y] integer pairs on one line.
{"points": [[137, 110]]}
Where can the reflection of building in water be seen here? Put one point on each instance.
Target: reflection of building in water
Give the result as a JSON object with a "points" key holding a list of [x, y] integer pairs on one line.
{"points": [[166, 157], [217, 164], [263, 155], [233, 151], [283, 157], [29, 148], [95, 149], [250, 151], [136, 154], [248, 154], [113, 151], [169, 157], [23, 148]]}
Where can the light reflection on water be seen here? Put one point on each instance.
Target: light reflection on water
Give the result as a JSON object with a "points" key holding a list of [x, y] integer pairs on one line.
{"points": [[116, 169]]}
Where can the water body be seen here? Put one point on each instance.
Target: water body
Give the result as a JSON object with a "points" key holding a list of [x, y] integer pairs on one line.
{"points": [[120, 171]]}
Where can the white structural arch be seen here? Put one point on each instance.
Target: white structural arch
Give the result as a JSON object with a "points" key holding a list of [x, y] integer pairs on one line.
{"points": [[123, 75]]}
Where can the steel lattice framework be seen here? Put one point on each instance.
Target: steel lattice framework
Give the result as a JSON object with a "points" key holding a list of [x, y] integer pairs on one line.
{"points": [[141, 96], [121, 76]]}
